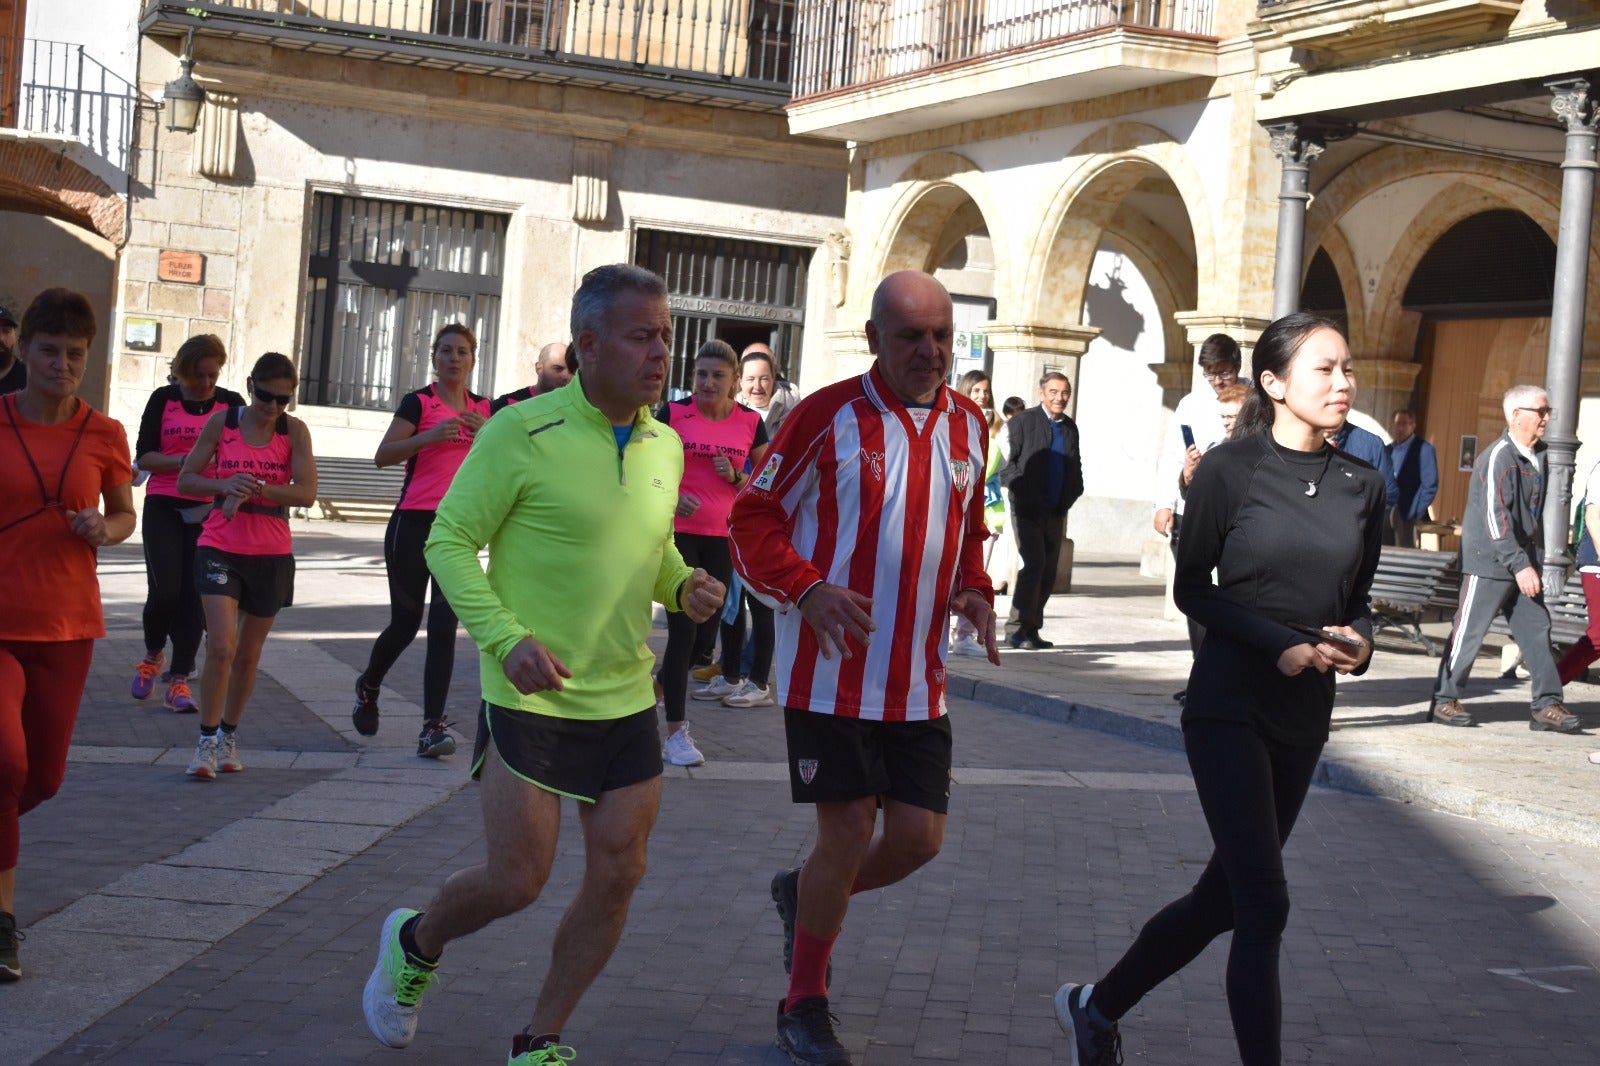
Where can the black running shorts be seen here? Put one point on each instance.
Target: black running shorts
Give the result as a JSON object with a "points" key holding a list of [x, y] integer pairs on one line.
{"points": [[833, 759], [263, 584], [577, 757]]}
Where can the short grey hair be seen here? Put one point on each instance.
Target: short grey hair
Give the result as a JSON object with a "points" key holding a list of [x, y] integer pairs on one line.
{"points": [[598, 293], [1521, 396], [1054, 375]]}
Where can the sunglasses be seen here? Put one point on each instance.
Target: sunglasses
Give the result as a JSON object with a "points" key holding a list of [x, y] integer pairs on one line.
{"points": [[281, 399], [1542, 412]]}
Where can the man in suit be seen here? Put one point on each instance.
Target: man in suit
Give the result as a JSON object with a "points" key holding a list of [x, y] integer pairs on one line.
{"points": [[1416, 473], [1043, 473]]}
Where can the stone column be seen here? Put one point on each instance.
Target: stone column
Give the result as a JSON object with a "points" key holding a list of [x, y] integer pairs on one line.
{"points": [[850, 354], [1296, 146], [1023, 352], [1198, 325], [1575, 103], [1385, 385]]}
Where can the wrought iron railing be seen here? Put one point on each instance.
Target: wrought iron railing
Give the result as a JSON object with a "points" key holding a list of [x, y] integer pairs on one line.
{"points": [[848, 43], [746, 40], [55, 87]]}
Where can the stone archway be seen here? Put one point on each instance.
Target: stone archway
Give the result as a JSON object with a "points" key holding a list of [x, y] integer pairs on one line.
{"points": [[940, 198], [36, 180]]}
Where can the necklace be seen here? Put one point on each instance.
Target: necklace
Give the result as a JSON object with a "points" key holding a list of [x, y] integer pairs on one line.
{"points": [[1311, 486]]}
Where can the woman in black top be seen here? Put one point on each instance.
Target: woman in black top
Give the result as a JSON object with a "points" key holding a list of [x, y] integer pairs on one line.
{"points": [[1292, 527], [171, 424]]}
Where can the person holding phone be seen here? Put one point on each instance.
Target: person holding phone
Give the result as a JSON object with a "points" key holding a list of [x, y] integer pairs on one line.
{"points": [[1292, 528]]}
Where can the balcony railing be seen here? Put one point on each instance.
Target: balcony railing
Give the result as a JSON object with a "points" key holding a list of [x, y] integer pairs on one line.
{"points": [[57, 88], [850, 43], [747, 41]]}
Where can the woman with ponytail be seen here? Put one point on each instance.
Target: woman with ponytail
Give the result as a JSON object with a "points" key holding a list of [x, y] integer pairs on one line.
{"points": [[1291, 528]]}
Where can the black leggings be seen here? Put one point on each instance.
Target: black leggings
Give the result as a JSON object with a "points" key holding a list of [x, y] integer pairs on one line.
{"points": [[1251, 789], [687, 641], [761, 626], [408, 581], [172, 608]]}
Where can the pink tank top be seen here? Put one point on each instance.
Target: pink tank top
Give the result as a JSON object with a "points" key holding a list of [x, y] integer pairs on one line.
{"points": [[259, 528], [179, 431], [430, 471]]}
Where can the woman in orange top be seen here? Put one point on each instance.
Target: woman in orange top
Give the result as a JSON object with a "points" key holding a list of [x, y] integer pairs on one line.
{"points": [[58, 459]]}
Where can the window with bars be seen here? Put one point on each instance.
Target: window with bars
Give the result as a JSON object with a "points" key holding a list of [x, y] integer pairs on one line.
{"points": [[742, 292], [383, 278]]}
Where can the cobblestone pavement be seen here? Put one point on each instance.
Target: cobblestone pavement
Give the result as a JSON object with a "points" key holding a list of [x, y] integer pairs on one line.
{"points": [[173, 921]]}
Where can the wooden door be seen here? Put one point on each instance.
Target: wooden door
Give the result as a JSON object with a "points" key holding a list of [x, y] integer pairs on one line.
{"points": [[1467, 366]]}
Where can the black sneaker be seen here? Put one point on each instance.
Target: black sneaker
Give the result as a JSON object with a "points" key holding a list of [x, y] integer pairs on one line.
{"points": [[10, 968], [786, 894], [806, 1034], [1092, 1044], [365, 714], [434, 742]]}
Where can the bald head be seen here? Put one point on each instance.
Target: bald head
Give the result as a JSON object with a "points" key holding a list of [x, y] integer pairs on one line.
{"points": [[552, 367], [910, 332]]}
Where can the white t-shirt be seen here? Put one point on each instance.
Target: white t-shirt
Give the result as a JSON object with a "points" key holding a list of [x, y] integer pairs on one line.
{"points": [[1200, 413]]}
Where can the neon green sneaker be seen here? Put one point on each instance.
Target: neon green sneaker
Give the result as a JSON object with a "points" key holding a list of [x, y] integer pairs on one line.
{"points": [[396, 985], [554, 1055]]}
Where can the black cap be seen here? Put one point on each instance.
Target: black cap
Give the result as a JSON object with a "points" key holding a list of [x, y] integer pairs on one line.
{"points": [[7, 316]]}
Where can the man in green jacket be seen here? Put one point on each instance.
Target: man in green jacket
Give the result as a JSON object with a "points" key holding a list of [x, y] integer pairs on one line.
{"points": [[573, 492]]}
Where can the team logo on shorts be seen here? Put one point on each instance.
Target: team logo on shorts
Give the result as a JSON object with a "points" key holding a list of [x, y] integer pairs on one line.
{"points": [[807, 768], [216, 573], [769, 473], [961, 472]]}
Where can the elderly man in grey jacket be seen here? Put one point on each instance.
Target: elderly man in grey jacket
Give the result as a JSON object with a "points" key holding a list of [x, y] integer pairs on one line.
{"points": [[1500, 538]]}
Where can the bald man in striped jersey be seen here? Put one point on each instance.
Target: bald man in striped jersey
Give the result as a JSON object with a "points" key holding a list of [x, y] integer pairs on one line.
{"points": [[864, 528]]}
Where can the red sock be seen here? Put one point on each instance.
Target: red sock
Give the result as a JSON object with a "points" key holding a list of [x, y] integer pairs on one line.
{"points": [[808, 973]]}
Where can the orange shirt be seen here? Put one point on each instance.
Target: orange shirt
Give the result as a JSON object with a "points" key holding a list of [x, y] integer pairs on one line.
{"points": [[49, 590]]}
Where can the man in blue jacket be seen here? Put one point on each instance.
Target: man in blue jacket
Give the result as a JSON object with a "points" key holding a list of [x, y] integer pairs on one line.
{"points": [[1416, 472], [1368, 447]]}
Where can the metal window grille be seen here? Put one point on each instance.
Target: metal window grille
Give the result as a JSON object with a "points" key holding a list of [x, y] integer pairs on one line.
{"points": [[383, 278], [733, 290]]}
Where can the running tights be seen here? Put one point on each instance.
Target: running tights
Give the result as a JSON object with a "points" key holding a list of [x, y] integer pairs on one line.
{"points": [[408, 583], [172, 608], [687, 641], [41, 684], [761, 625], [1251, 789]]}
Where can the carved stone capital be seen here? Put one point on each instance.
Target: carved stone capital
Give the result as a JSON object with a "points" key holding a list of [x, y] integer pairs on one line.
{"points": [[1294, 144], [1575, 103]]}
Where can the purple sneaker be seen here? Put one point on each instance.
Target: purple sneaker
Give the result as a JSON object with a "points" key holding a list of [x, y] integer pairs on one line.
{"points": [[145, 675]]}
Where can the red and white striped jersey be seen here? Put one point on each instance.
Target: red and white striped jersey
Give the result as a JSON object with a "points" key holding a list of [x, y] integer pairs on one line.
{"points": [[860, 491]]}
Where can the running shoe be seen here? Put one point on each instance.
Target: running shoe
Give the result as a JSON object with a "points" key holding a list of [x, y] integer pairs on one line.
{"points": [[679, 749], [968, 646], [551, 1055], [179, 698], [390, 999], [365, 713], [806, 1034], [228, 754], [706, 672], [204, 764], [145, 675], [433, 742], [10, 967], [748, 694], [1092, 1044], [716, 690]]}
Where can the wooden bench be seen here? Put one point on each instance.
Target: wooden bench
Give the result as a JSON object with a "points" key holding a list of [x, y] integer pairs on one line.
{"points": [[1408, 582], [353, 488]]}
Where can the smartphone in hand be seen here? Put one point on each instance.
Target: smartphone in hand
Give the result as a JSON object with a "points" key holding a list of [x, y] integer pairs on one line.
{"points": [[1328, 635], [1188, 436]]}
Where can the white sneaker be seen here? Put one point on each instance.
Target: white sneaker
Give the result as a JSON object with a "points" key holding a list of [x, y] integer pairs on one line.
{"points": [[392, 993], [748, 694], [968, 646], [228, 754], [204, 763], [679, 750], [716, 690]]}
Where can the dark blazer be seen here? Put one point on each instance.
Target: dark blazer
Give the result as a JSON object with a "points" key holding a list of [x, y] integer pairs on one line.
{"points": [[1417, 478], [1026, 473]]}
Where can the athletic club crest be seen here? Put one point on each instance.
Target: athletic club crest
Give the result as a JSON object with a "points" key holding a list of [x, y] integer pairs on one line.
{"points": [[808, 769], [961, 474]]}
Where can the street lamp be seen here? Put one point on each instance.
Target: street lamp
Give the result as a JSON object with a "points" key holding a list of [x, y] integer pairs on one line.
{"points": [[183, 96]]}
